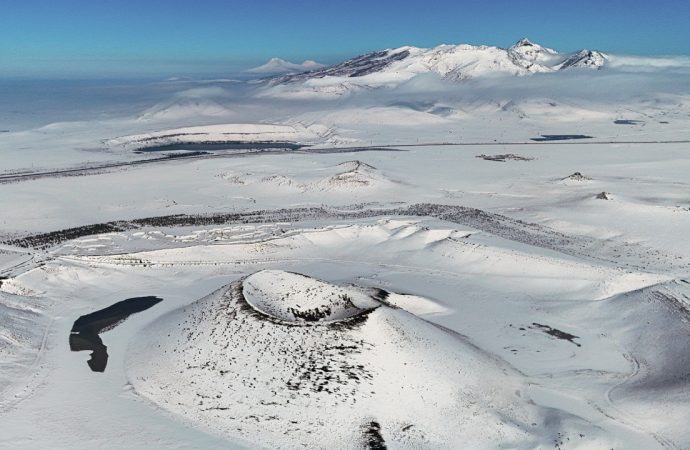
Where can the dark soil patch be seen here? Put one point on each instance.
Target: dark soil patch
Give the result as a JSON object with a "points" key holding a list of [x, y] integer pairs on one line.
{"points": [[504, 157], [603, 196], [560, 137], [219, 146], [556, 333], [373, 439]]}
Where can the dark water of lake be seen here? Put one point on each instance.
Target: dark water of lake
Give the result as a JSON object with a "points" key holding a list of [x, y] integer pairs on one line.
{"points": [[86, 329], [560, 137]]}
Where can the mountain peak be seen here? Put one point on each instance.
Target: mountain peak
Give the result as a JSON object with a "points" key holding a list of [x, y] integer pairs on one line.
{"points": [[590, 59], [531, 56], [281, 66], [524, 42]]}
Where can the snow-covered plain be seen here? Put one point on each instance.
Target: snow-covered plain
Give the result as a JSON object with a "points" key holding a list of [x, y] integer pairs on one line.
{"points": [[371, 254]]}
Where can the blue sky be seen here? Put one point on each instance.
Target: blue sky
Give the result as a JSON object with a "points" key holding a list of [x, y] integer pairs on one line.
{"points": [[108, 37]]}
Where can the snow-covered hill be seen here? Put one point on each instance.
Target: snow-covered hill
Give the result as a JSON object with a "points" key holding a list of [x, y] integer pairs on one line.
{"points": [[230, 134], [289, 361], [185, 109], [349, 179]]}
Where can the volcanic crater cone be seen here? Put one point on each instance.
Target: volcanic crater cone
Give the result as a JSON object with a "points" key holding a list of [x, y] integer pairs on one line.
{"points": [[296, 298], [280, 359]]}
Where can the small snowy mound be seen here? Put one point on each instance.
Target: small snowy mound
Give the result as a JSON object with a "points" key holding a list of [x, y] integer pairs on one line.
{"points": [[186, 108], [272, 182], [292, 297], [280, 181], [353, 175], [576, 178]]}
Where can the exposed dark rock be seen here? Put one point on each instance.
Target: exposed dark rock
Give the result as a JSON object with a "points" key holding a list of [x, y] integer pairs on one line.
{"points": [[603, 196], [355, 67]]}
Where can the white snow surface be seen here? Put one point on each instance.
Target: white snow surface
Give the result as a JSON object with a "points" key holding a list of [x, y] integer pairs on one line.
{"points": [[419, 272]]}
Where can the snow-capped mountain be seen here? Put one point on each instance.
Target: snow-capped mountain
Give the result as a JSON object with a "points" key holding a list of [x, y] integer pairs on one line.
{"points": [[528, 54], [451, 62], [585, 58], [281, 66]]}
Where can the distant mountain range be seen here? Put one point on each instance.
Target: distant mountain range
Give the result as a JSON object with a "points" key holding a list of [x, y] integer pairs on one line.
{"points": [[281, 66], [451, 62]]}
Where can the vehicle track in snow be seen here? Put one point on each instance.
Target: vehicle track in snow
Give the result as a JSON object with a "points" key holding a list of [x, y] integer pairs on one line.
{"points": [[19, 391]]}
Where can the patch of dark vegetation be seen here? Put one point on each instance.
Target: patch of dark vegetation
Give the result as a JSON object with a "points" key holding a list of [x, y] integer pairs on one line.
{"points": [[311, 315], [168, 136], [207, 146], [373, 440], [86, 329], [349, 150], [627, 122], [556, 333], [625, 254], [308, 365], [56, 237], [349, 323], [560, 137], [504, 157], [183, 154], [45, 240], [94, 170], [319, 313]]}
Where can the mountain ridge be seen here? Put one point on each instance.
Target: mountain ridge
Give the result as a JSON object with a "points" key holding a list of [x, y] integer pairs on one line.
{"points": [[451, 62], [278, 66]]}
